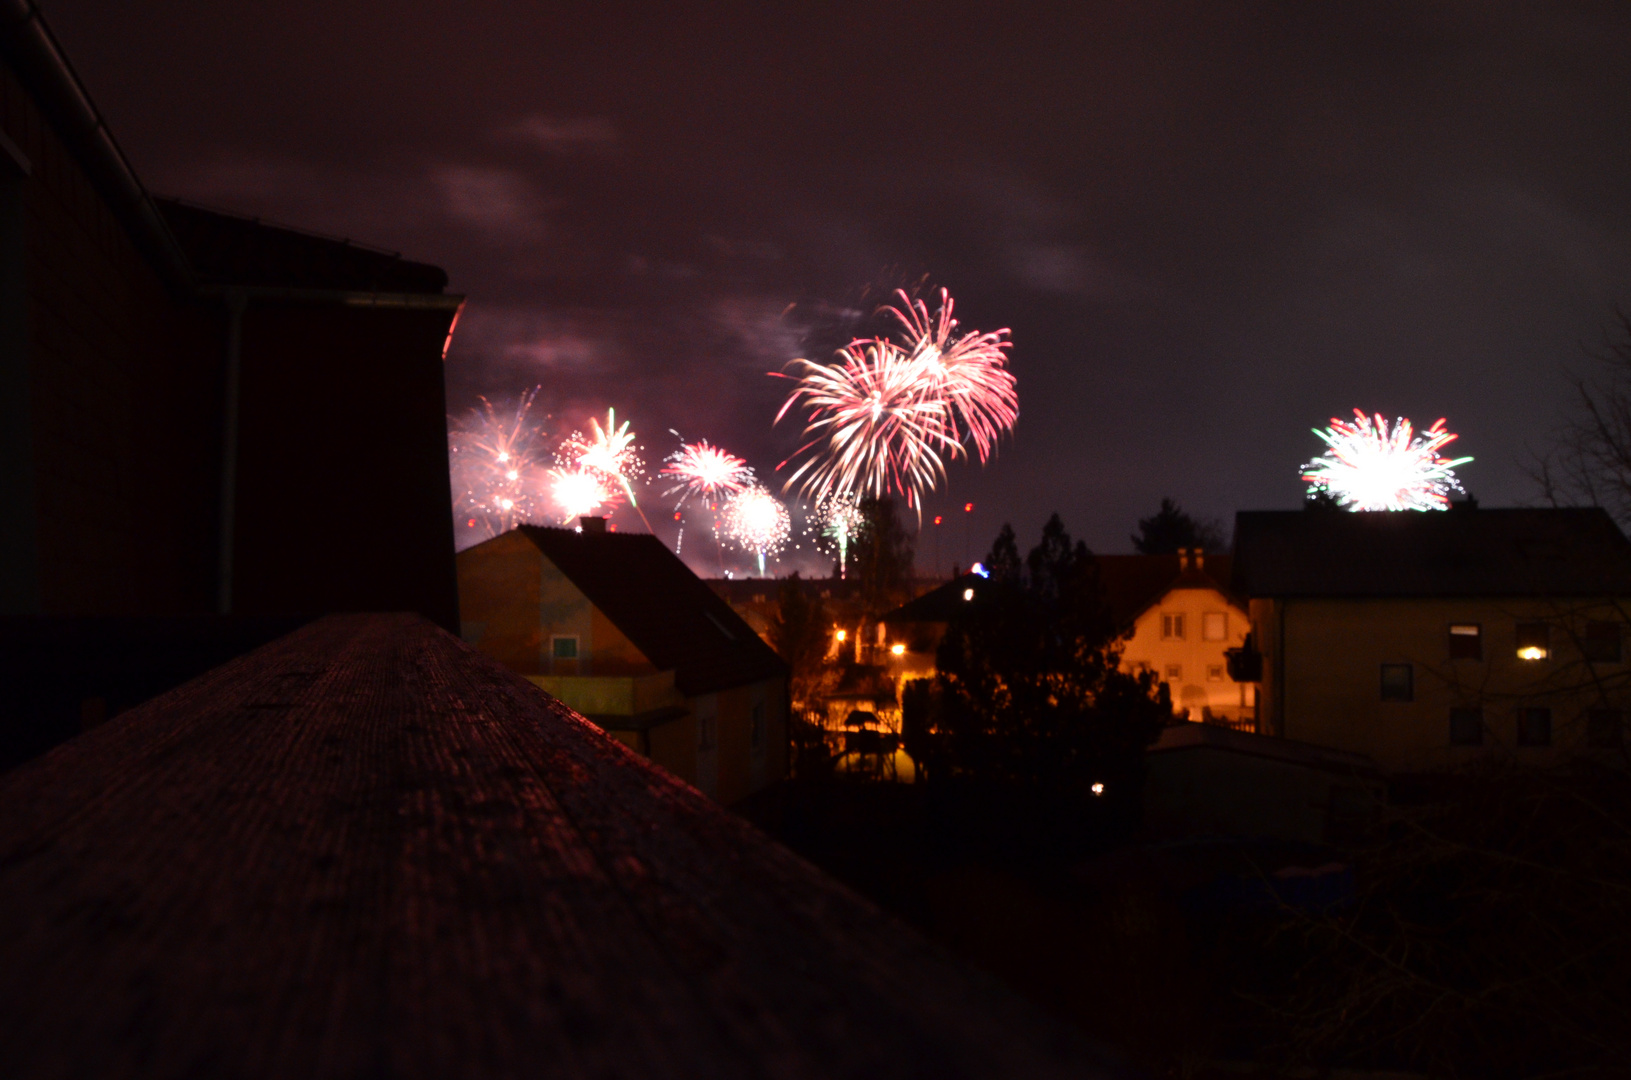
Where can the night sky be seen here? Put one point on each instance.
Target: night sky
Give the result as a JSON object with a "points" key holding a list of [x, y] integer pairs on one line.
{"points": [[1209, 226]]}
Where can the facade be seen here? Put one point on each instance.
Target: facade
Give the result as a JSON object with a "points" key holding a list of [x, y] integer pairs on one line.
{"points": [[199, 413], [1180, 620], [1426, 639], [618, 628]]}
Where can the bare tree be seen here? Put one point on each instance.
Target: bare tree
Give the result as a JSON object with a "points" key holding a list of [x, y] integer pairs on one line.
{"points": [[1589, 461]]}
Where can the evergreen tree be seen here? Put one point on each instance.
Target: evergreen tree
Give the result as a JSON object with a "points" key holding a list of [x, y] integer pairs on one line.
{"points": [[1169, 529]]}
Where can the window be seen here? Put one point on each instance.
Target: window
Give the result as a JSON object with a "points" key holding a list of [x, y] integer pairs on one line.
{"points": [[1172, 627], [1466, 641], [1466, 727], [563, 647], [1602, 642], [1604, 729], [1215, 626], [1175, 672], [1534, 641], [756, 734], [1214, 673], [1398, 682], [1534, 727]]}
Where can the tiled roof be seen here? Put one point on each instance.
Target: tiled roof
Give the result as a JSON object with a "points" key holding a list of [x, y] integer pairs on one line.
{"points": [[669, 613], [224, 249], [1458, 552]]}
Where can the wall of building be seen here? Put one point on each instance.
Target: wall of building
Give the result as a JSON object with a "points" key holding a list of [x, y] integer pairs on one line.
{"points": [[1323, 682], [1192, 666], [118, 384]]}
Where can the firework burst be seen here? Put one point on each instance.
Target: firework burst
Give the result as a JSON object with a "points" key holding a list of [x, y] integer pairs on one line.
{"points": [[888, 416], [874, 425], [968, 371], [1369, 466], [706, 471], [609, 454], [838, 516], [577, 492], [497, 467], [757, 521]]}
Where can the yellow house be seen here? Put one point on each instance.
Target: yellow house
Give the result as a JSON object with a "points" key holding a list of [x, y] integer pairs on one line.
{"points": [[1425, 639], [1180, 620], [618, 628]]}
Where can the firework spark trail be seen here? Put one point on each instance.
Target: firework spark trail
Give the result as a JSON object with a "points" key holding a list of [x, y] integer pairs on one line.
{"points": [[839, 517], [1370, 467], [873, 428], [757, 521], [609, 454], [970, 371], [706, 471], [498, 473]]}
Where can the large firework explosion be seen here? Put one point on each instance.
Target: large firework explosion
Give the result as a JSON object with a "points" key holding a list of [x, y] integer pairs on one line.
{"points": [[756, 520], [706, 471], [888, 416], [1368, 466], [577, 491], [838, 516], [969, 371], [497, 467], [875, 425], [607, 453]]}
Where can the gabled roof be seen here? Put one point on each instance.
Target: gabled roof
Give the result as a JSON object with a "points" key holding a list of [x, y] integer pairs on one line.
{"points": [[224, 249], [1132, 583], [1458, 552], [665, 610]]}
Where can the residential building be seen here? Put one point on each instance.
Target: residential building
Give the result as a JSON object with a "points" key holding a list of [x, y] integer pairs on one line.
{"points": [[618, 628], [1425, 639]]}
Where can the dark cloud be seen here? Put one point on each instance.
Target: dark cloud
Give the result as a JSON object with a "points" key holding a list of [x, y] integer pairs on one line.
{"points": [[1210, 227]]}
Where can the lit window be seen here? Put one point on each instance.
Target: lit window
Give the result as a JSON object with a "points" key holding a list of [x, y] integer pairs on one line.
{"points": [[1215, 626], [1534, 727], [1601, 642], [897, 650], [1534, 641], [1175, 672], [1098, 787], [968, 594], [563, 648], [1214, 673], [1172, 627], [1398, 682], [1466, 727], [1466, 641]]}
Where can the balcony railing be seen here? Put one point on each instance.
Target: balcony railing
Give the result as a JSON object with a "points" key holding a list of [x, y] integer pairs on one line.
{"points": [[365, 849]]}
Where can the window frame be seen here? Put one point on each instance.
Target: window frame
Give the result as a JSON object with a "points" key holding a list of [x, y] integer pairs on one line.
{"points": [[1470, 646], [1463, 716], [1531, 635], [1172, 626], [1222, 618], [555, 641], [1533, 719], [1592, 645]]}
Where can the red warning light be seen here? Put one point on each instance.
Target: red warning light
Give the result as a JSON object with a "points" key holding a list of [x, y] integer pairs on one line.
{"points": [[937, 519], [968, 508], [676, 515]]}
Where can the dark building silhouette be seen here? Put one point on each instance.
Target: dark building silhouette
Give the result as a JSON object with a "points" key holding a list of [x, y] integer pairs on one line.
{"points": [[200, 414]]}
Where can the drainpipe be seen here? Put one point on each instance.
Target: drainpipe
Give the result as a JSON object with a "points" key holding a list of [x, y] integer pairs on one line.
{"points": [[237, 301]]}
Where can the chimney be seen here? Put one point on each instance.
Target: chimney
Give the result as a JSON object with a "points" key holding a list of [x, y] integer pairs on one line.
{"points": [[1200, 557], [592, 524]]}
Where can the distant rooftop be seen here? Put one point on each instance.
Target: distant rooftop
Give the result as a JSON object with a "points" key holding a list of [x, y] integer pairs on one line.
{"points": [[1458, 552], [225, 249]]}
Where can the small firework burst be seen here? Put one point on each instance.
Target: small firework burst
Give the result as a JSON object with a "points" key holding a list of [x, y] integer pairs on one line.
{"points": [[838, 516], [968, 371], [1369, 466], [706, 471], [496, 461], [576, 492], [608, 453], [756, 520], [871, 429]]}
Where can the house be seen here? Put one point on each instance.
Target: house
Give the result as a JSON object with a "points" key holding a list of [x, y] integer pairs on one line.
{"points": [[1425, 639], [618, 628], [1178, 620], [207, 423]]}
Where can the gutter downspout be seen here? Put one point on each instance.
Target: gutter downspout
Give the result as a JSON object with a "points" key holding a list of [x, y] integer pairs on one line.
{"points": [[236, 302]]}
